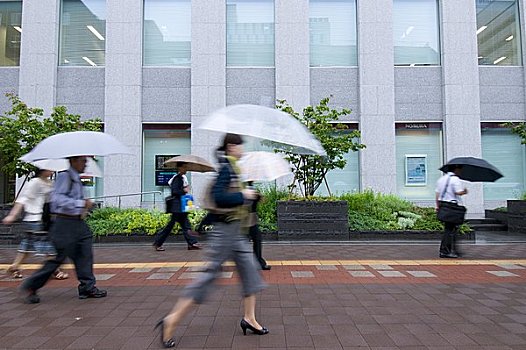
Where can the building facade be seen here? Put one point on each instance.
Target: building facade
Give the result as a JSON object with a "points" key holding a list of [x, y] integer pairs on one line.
{"points": [[427, 80]]}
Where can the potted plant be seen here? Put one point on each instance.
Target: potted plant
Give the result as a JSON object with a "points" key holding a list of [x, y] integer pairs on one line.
{"points": [[307, 218]]}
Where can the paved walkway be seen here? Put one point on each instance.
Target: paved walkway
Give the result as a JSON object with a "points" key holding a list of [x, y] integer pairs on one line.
{"points": [[319, 296]]}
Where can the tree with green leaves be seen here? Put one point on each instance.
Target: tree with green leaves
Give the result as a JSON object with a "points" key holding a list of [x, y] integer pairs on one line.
{"points": [[23, 127], [518, 129], [336, 139]]}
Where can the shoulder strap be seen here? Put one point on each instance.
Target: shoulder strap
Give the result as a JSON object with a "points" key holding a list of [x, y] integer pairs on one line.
{"points": [[445, 188]]}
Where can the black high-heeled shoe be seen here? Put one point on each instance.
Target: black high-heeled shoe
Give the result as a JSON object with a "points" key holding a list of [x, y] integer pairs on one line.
{"points": [[244, 325], [170, 343]]}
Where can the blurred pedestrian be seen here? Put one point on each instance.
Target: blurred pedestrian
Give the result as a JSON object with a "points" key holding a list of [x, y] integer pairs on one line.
{"points": [[70, 235], [254, 232], [33, 201], [227, 241], [449, 189], [179, 186]]}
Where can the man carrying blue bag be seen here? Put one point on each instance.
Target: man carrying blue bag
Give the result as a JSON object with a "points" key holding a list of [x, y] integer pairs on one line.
{"points": [[174, 204]]}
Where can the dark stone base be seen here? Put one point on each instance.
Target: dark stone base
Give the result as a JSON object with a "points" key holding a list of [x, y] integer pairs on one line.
{"points": [[517, 216], [405, 235]]}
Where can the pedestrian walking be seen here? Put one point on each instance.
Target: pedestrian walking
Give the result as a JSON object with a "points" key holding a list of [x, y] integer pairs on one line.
{"points": [[227, 241], [254, 232], [70, 235], [179, 186], [33, 200], [449, 189]]}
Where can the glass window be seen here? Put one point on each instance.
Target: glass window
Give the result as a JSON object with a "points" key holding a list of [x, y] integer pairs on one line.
{"points": [[346, 180], [167, 28], [498, 32], [250, 33], [415, 30], [160, 145], [10, 32], [504, 150], [332, 26], [418, 157], [82, 33]]}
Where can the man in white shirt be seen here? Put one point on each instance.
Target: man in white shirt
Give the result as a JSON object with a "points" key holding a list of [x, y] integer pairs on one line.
{"points": [[449, 189]]}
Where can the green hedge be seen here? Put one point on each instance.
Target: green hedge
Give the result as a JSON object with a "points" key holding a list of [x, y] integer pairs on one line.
{"points": [[368, 211], [110, 221]]}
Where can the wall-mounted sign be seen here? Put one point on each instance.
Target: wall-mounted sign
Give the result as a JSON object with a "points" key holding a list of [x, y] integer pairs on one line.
{"points": [[416, 169], [164, 172]]}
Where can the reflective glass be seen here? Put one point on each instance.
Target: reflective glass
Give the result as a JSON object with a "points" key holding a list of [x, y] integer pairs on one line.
{"points": [[167, 32], [82, 33], [332, 26], [498, 32], [250, 33], [10, 32], [416, 34], [504, 150]]}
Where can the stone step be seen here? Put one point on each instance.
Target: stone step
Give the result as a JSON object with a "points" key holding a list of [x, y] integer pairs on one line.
{"points": [[482, 221], [489, 227]]}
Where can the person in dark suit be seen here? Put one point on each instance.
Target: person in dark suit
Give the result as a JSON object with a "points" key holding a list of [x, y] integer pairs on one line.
{"points": [[179, 187], [254, 232]]}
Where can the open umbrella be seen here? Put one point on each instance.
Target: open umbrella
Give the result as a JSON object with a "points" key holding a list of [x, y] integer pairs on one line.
{"points": [[193, 163], [264, 123], [474, 169], [76, 143], [263, 166], [92, 169]]}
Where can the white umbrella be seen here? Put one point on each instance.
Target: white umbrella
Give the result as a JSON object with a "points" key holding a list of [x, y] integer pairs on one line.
{"points": [[76, 143], [263, 166], [92, 169], [264, 123]]}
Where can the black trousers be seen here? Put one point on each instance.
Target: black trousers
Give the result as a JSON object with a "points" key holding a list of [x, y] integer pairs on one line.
{"points": [[182, 219], [448, 244], [255, 236], [72, 239]]}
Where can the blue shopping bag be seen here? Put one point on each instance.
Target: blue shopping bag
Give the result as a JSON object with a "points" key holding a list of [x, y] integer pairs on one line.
{"points": [[187, 203]]}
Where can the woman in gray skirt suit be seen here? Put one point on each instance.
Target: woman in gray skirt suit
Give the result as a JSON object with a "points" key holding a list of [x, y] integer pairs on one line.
{"points": [[227, 241]]}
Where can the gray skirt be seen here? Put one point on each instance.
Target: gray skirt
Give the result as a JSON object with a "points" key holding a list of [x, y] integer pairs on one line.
{"points": [[227, 243]]}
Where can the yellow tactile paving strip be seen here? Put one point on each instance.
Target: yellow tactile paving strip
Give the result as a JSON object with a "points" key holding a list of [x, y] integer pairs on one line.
{"points": [[299, 263]]}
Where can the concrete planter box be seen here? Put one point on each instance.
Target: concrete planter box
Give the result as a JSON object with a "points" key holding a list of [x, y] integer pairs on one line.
{"points": [[517, 216], [320, 221], [501, 216]]}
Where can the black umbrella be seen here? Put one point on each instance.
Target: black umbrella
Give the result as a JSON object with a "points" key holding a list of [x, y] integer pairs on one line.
{"points": [[474, 169]]}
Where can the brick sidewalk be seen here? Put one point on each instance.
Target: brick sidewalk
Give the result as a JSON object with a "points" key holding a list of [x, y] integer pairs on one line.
{"points": [[318, 297]]}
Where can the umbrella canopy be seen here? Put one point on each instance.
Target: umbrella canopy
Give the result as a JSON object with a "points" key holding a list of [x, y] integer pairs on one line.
{"points": [[263, 166], [193, 163], [76, 143], [474, 169], [92, 169], [264, 123]]}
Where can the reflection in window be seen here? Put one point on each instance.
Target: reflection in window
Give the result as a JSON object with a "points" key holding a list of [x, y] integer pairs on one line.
{"points": [[504, 150], [498, 32], [250, 33], [82, 33], [415, 30], [10, 32], [167, 28], [332, 26]]}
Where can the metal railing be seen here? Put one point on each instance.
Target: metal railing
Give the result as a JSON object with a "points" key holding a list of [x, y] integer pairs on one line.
{"points": [[119, 196]]}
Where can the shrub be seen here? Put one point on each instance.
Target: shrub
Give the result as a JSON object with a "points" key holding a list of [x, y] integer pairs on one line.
{"points": [[109, 221]]}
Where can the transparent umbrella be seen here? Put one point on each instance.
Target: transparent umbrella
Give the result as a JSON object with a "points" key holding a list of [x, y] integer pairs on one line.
{"points": [[76, 143], [264, 123], [263, 166], [92, 169]]}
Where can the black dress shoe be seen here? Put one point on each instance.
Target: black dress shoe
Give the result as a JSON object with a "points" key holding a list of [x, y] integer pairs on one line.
{"points": [[266, 267], [30, 296], [94, 293], [448, 255], [245, 325], [170, 343], [194, 247]]}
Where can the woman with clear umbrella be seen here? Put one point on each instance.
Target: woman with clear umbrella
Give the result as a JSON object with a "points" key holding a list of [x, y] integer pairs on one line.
{"points": [[227, 241]]}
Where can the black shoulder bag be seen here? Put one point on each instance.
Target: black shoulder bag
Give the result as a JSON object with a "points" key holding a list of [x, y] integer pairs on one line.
{"points": [[450, 212]]}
